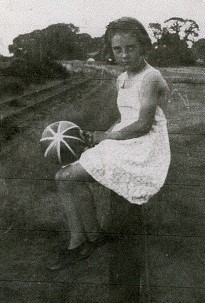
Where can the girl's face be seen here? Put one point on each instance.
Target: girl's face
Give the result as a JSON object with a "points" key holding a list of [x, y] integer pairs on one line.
{"points": [[127, 51]]}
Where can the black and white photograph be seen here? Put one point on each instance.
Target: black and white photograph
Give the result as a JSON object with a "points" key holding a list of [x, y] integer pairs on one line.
{"points": [[102, 151]]}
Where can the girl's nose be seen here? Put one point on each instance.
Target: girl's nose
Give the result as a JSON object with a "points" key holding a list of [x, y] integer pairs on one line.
{"points": [[124, 54]]}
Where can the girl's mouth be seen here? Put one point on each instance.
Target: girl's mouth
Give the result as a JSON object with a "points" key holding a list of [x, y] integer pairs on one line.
{"points": [[125, 62]]}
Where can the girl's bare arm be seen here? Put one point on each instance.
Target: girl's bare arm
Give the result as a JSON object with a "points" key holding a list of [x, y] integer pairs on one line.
{"points": [[110, 129], [150, 97]]}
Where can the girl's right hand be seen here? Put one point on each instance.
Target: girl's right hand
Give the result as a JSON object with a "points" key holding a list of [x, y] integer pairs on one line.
{"points": [[88, 138]]}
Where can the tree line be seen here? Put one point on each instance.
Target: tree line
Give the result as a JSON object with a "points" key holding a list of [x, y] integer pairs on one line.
{"points": [[175, 42], [37, 53]]}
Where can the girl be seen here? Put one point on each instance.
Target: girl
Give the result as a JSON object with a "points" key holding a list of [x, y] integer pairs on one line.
{"points": [[131, 158]]}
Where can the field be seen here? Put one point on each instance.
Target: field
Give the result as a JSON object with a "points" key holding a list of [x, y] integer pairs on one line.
{"points": [[171, 228]]}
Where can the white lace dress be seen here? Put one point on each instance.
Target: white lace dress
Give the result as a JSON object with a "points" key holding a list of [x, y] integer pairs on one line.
{"points": [[135, 168]]}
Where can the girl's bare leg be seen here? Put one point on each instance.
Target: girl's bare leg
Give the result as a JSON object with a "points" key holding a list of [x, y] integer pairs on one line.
{"points": [[78, 204]]}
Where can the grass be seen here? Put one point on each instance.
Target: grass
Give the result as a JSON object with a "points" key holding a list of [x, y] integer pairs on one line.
{"points": [[93, 107], [174, 221]]}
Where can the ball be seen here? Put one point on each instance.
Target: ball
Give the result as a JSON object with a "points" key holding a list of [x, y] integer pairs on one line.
{"points": [[62, 142]]}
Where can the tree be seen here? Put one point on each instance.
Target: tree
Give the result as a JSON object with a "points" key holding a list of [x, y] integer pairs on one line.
{"points": [[175, 25], [56, 42], [191, 30], [170, 49], [156, 30], [199, 49], [36, 53], [186, 29]]}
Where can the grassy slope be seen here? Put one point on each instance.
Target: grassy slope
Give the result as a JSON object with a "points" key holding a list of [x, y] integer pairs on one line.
{"points": [[94, 107], [29, 201]]}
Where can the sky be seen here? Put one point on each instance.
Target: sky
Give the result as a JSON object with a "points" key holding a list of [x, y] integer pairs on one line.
{"points": [[91, 16]]}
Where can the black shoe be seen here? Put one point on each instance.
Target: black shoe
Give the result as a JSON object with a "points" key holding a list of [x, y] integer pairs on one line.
{"points": [[70, 256]]}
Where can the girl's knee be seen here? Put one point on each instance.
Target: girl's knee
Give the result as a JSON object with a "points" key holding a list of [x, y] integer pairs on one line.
{"points": [[58, 176], [67, 173], [62, 174]]}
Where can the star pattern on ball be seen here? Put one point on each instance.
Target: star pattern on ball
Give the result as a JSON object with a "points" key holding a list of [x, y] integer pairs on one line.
{"points": [[58, 137]]}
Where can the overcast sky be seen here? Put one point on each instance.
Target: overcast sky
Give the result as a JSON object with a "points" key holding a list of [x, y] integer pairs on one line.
{"points": [[23, 16]]}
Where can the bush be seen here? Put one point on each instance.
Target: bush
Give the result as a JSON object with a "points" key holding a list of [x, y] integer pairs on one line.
{"points": [[35, 72], [11, 85], [8, 129], [165, 56]]}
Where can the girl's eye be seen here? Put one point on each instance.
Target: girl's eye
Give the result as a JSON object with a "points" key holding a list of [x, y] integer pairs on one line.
{"points": [[131, 47], [117, 49]]}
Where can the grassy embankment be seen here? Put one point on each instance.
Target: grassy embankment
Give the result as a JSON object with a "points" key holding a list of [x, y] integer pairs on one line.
{"points": [[93, 106]]}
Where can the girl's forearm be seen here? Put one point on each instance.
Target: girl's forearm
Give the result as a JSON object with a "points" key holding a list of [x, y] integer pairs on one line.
{"points": [[110, 129], [134, 130]]}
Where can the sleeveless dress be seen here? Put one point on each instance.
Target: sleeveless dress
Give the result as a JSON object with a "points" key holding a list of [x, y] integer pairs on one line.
{"points": [[135, 168]]}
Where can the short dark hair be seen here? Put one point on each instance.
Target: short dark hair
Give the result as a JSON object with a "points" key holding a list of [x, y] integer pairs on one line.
{"points": [[122, 25]]}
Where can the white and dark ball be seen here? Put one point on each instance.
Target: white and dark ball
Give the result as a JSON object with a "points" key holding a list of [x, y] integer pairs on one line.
{"points": [[62, 142]]}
